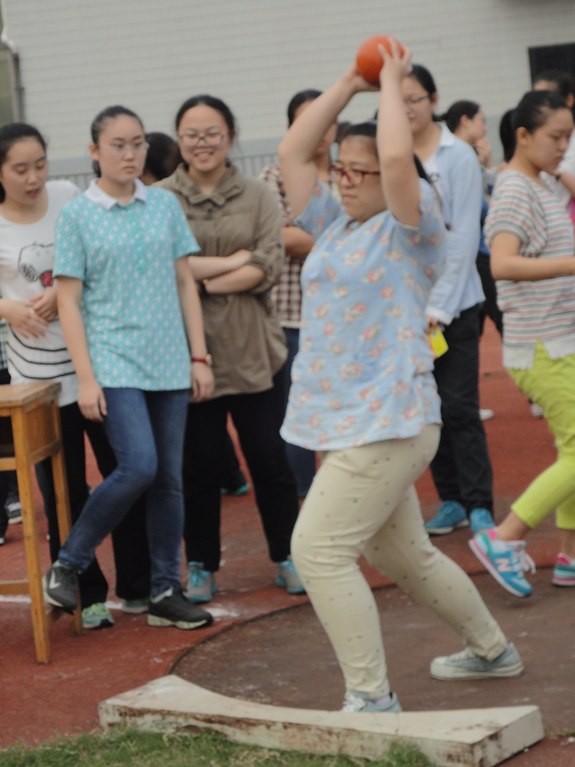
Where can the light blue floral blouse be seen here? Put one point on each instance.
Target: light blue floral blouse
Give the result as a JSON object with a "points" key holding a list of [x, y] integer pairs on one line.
{"points": [[363, 372]]}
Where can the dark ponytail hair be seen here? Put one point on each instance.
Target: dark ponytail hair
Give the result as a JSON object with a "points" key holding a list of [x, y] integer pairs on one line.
{"points": [[369, 130], [13, 133], [533, 110], [507, 135], [163, 155], [99, 123], [459, 109], [301, 97]]}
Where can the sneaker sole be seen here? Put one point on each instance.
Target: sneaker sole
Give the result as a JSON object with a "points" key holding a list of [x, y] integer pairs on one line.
{"points": [[105, 624], [15, 520], [563, 582], [487, 564], [447, 530], [447, 673], [157, 622]]}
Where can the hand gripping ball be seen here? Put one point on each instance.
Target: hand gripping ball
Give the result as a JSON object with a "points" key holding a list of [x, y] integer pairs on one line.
{"points": [[368, 58]]}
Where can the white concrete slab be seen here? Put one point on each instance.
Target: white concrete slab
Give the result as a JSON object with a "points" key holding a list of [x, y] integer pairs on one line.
{"points": [[467, 738]]}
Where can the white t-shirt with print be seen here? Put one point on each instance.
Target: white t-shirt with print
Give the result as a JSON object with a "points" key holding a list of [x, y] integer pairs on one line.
{"points": [[26, 263]]}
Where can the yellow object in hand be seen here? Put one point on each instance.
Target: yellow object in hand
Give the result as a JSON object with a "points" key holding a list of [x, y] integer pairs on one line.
{"points": [[437, 342]]}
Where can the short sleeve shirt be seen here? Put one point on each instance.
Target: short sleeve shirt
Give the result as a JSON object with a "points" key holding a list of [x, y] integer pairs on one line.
{"points": [[364, 368], [541, 310], [124, 255], [26, 270]]}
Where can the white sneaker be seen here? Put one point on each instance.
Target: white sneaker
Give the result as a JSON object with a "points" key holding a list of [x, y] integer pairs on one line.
{"points": [[486, 414], [357, 702], [537, 410], [467, 665]]}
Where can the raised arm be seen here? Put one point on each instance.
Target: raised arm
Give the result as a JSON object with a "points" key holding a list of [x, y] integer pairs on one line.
{"points": [[399, 177], [296, 151]]}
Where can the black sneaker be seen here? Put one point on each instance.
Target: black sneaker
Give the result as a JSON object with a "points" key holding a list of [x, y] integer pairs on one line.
{"points": [[175, 610], [13, 508], [61, 587]]}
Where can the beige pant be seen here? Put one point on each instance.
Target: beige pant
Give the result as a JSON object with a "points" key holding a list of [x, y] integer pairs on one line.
{"points": [[363, 502]]}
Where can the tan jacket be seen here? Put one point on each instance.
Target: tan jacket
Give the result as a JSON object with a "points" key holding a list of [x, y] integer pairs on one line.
{"points": [[243, 334]]}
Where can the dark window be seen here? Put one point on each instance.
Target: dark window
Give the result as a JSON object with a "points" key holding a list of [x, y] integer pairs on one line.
{"points": [[560, 57]]}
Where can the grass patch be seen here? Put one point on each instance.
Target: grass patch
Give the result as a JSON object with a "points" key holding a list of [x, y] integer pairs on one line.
{"points": [[130, 748]]}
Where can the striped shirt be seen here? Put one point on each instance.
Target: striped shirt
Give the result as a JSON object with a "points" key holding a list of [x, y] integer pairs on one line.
{"points": [[541, 310], [286, 295]]}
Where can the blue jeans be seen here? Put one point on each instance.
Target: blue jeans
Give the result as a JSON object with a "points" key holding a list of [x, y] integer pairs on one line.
{"points": [[146, 433], [301, 460]]}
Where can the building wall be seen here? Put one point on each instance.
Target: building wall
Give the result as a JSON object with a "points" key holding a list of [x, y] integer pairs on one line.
{"points": [[78, 56]]}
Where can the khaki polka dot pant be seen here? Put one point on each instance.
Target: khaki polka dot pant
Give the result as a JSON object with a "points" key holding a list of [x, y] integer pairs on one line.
{"points": [[363, 502]]}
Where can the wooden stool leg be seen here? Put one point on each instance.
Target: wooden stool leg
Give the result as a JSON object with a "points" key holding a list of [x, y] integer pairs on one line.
{"points": [[61, 495], [30, 533]]}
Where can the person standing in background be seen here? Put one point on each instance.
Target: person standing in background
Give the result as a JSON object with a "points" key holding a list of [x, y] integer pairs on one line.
{"points": [[236, 222], [532, 248], [465, 119], [36, 351], [131, 318], [461, 469]]}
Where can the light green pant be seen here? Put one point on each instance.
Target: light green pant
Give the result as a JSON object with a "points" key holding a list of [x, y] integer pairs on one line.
{"points": [[551, 384], [363, 501]]}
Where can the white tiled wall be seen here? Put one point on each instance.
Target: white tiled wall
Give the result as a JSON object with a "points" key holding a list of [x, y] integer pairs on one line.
{"points": [[78, 56]]}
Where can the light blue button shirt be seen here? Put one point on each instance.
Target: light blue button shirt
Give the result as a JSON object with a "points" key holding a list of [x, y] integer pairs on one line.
{"points": [[364, 369], [124, 255], [456, 173]]}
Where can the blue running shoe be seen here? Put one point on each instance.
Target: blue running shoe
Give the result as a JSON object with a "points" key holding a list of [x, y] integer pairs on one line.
{"points": [[288, 579], [505, 561], [201, 584], [450, 516], [480, 519]]}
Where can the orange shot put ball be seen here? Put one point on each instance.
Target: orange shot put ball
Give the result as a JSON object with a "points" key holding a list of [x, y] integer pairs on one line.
{"points": [[368, 59]]}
